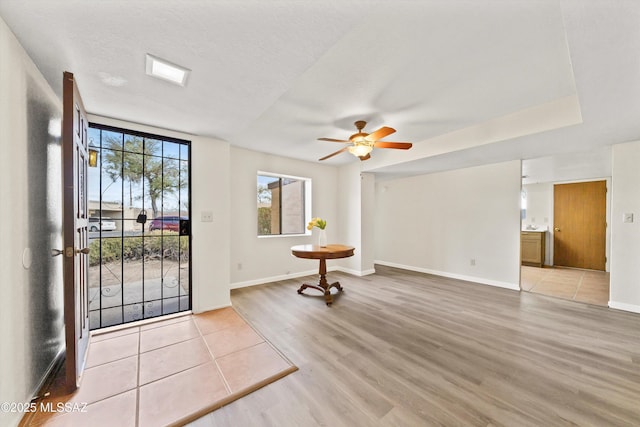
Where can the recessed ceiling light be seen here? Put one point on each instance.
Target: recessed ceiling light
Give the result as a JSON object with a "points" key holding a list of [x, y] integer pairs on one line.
{"points": [[165, 70]]}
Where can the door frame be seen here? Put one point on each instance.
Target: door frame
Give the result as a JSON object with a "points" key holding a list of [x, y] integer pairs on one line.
{"points": [[133, 129]]}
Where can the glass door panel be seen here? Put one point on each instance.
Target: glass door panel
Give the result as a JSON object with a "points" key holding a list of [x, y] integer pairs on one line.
{"points": [[140, 267]]}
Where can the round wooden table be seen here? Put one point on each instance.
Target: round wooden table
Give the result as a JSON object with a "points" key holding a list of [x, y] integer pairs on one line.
{"points": [[323, 254]]}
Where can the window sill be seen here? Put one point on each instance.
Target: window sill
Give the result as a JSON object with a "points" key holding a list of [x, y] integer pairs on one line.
{"points": [[275, 236]]}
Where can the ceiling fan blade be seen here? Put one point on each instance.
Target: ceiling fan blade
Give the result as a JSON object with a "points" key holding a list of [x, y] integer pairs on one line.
{"points": [[397, 145], [365, 157], [332, 140], [380, 133], [333, 154]]}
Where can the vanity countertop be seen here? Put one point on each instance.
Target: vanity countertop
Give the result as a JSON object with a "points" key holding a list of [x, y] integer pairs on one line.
{"points": [[535, 229]]}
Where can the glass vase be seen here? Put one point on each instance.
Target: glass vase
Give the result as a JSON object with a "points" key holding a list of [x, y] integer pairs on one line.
{"points": [[322, 238]]}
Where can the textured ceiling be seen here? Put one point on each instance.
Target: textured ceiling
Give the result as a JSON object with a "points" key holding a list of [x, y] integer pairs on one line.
{"points": [[468, 82]]}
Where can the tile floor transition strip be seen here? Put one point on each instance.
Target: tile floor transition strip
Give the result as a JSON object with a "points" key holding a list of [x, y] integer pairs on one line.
{"points": [[122, 388]]}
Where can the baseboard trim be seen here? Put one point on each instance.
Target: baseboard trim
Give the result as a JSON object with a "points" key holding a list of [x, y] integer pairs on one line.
{"points": [[49, 375], [255, 282], [264, 280], [216, 307], [356, 272], [623, 306], [44, 387], [480, 280]]}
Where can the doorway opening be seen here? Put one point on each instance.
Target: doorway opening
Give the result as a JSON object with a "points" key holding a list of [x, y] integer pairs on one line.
{"points": [[564, 240], [139, 230]]}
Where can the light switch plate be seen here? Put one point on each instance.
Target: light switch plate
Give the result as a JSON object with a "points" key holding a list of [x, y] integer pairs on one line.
{"points": [[627, 217], [206, 216]]}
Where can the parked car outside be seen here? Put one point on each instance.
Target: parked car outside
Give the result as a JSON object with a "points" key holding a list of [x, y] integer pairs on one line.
{"points": [[96, 224], [171, 223]]}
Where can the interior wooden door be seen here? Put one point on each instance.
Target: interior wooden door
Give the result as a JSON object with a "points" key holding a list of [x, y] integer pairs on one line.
{"points": [[75, 222], [579, 216]]}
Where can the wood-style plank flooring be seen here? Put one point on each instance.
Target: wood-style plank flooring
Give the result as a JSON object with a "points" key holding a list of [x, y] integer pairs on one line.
{"points": [[400, 348]]}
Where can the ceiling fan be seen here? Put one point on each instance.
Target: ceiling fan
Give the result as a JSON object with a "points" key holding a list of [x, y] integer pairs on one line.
{"points": [[361, 144]]}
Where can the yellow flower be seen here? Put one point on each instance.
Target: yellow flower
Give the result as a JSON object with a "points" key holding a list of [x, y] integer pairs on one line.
{"points": [[317, 222]]}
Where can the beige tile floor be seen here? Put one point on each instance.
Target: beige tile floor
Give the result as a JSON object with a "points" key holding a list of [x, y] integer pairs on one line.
{"points": [[587, 286], [168, 372]]}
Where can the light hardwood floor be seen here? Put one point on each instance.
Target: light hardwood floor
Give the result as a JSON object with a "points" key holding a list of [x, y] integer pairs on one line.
{"points": [[400, 348]]}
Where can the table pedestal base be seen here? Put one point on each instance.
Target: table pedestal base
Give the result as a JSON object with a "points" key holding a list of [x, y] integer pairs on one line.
{"points": [[325, 289], [323, 286]]}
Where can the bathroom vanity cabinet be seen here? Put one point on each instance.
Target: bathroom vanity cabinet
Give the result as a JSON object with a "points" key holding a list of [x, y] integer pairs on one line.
{"points": [[532, 248]]}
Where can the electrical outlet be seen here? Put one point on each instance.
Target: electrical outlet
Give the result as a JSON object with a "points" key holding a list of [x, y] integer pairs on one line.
{"points": [[473, 262], [627, 217], [206, 216]]}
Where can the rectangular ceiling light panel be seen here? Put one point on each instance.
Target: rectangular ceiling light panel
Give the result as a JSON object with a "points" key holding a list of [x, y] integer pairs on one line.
{"points": [[165, 70]]}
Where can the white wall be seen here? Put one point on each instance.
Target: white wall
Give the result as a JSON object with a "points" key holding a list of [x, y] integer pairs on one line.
{"points": [[625, 237], [437, 223], [210, 191], [31, 303], [566, 167], [263, 259], [368, 226], [539, 204], [350, 213], [356, 201], [540, 213]]}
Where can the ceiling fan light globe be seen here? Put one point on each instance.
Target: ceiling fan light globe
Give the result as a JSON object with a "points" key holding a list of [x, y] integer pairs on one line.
{"points": [[360, 150]]}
